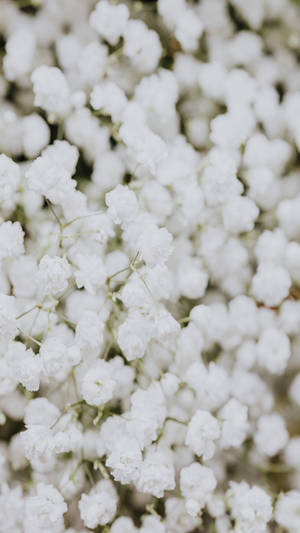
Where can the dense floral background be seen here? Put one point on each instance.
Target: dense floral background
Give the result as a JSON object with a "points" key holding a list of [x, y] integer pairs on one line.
{"points": [[150, 266]]}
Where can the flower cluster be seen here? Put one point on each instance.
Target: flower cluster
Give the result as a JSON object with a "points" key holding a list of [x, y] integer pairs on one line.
{"points": [[150, 266]]}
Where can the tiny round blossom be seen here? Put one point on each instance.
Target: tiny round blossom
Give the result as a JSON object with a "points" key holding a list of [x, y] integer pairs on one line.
{"points": [[273, 350], [25, 364], [134, 334], [122, 204], [251, 507], [89, 330], [192, 278], [20, 50], [109, 99], [36, 135], [58, 359], [239, 214], [271, 284], [56, 170], [197, 483], [125, 459], [202, 431], [155, 245], [274, 425], [53, 275], [235, 425], [51, 90], [188, 30], [109, 20], [287, 510], [8, 322], [142, 46], [99, 506], [98, 384], [91, 273], [44, 510], [11, 239], [10, 178], [123, 524], [92, 63], [156, 474]]}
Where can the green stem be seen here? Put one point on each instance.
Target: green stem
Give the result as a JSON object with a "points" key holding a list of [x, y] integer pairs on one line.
{"points": [[275, 468], [171, 418], [27, 312], [60, 131], [184, 320], [54, 214]]}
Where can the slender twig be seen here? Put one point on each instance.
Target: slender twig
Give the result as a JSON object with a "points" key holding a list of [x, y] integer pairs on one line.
{"points": [[27, 312], [53, 213]]}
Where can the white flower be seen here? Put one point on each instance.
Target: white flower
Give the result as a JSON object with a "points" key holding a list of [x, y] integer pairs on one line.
{"points": [[25, 364], [219, 179], [8, 381], [235, 425], [287, 510], [89, 330], [251, 507], [171, 11], [92, 63], [124, 375], [11, 508], [152, 524], [109, 20], [177, 519], [169, 383], [36, 135], [202, 431], [157, 95], [10, 178], [274, 425], [232, 129], [123, 524], [271, 284], [98, 384], [20, 49], [197, 484], [11, 239], [109, 98], [141, 45], [44, 511], [273, 350], [155, 245], [50, 174], [53, 275], [108, 170], [91, 273], [188, 30], [192, 278], [122, 204], [99, 506], [8, 323], [239, 214], [133, 335], [125, 459], [145, 147], [57, 359], [147, 414], [156, 473], [51, 90]]}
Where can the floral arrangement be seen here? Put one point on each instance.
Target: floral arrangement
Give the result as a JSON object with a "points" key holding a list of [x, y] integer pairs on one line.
{"points": [[150, 266]]}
